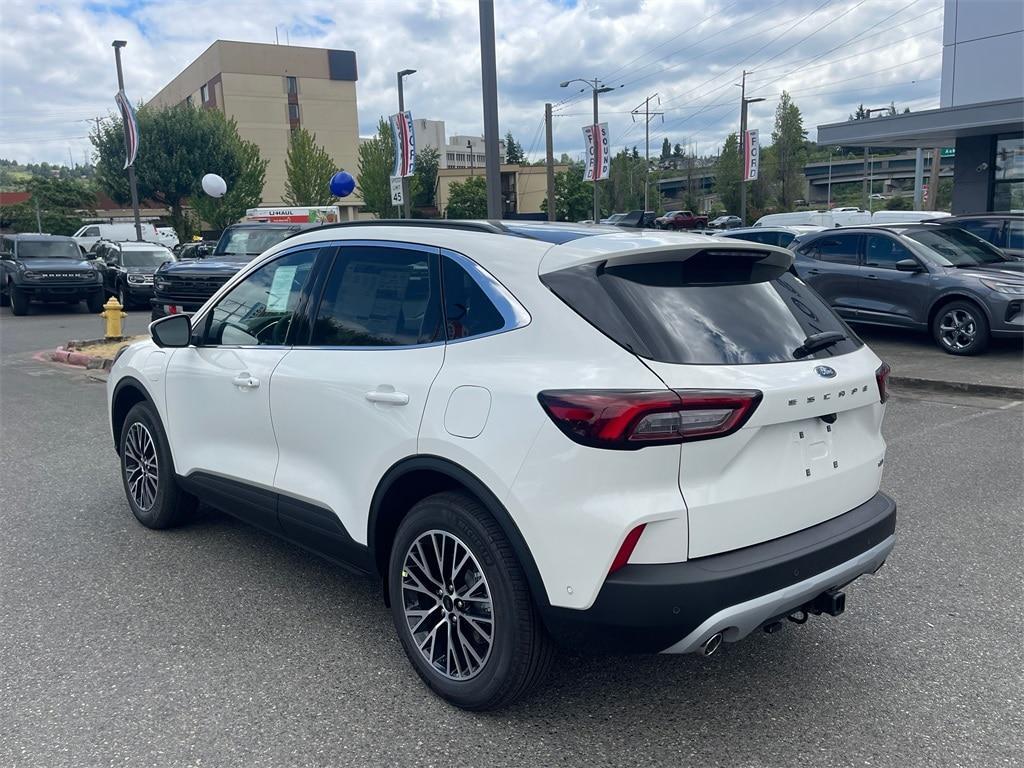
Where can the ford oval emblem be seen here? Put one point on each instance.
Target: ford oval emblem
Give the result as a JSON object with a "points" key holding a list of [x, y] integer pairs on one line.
{"points": [[825, 371]]}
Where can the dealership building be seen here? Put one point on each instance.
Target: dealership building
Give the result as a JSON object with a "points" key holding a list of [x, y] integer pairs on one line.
{"points": [[271, 90], [981, 110]]}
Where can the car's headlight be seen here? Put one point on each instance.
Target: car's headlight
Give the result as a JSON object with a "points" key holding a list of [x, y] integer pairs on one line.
{"points": [[135, 279], [28, 274], [161, 283], [1011, 289]]}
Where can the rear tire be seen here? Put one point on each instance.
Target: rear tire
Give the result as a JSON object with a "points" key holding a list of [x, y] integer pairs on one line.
{"points": [[508, 653], [147, 472], [961, 328], [95, 302], [19, 302]]}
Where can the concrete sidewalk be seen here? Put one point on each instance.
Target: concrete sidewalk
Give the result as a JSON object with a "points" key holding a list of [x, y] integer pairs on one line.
{"points": [[918, 363]]}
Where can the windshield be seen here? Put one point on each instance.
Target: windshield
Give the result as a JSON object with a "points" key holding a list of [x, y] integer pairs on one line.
{"points": [[957, 248], [153, 258], [250, 241], [49, 249]]}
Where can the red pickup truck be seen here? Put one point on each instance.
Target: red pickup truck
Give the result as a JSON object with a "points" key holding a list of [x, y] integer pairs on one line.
{"points": [[681, 220]]}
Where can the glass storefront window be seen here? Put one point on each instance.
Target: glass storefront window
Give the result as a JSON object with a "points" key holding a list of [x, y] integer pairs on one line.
{"points": [[1008, 174]]}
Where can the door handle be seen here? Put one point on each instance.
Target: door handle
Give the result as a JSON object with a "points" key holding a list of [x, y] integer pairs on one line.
{"points": [[872, 277], [246, 380], [813, 271], [388, 396]]}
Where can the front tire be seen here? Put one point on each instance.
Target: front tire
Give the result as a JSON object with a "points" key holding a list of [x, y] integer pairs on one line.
{"points": [[19, 302], [477, 640], [147, 472], [961, 328], [123, 298]]}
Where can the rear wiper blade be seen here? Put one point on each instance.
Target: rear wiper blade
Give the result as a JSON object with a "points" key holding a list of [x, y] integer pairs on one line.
{"points": [[818, 341]]}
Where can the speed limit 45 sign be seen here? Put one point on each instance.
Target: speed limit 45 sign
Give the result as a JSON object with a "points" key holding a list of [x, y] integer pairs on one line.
{"points": [[396, 190]]}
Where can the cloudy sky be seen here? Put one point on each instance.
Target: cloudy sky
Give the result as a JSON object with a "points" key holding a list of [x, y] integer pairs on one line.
{"points": [[57, 66]]}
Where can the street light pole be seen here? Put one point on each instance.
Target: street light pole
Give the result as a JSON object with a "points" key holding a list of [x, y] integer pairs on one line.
{"points": [[744, 101], [406, 208], [489, 83], [118, 45], [596, 87]]}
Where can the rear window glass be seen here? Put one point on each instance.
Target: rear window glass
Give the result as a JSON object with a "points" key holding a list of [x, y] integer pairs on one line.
{"points": [[665, 312]]}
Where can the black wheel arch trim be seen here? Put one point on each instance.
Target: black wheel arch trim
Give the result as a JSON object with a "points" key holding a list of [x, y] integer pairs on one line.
{"points": [[957, 294], [480, 490], [128, 382]]}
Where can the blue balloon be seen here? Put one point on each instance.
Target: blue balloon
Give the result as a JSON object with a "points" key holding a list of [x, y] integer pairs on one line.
{"points": [[342, 184]]}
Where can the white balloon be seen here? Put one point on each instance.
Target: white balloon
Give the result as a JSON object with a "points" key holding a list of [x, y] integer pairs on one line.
{"points": [[214, 185]]}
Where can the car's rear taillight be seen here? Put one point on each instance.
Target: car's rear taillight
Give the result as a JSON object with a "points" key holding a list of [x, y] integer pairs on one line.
{"points": [[630, 419], [626, 550], [882, 377]]}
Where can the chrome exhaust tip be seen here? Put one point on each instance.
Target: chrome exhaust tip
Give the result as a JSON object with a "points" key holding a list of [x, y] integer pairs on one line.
{"points": [[712, 644]]}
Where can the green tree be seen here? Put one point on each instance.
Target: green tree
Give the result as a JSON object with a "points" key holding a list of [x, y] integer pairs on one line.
{"points": [[513, 150], [789, 140], [900, 203], [308, 170], [424, 180], [177, 147], [467, 199], [666, 149], [677, 151], [624, 188], [62, 205], [573, 196], [727, 174], [244, 192], [376, 160]]}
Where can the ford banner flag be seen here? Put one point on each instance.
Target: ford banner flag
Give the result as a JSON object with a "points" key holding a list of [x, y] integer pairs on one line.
{"points": [[598, 161], [131, 128], [405, 144], [751, 156]]}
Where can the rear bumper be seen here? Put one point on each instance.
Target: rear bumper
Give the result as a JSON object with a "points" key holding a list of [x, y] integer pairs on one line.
{"points": [[675, 607]]}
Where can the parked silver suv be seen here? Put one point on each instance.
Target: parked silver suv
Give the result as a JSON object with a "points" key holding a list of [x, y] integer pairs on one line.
{"points": [[923, 276]]}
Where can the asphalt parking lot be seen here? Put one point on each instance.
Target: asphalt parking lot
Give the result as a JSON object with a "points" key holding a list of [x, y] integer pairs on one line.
{"points": [[216, 644]]}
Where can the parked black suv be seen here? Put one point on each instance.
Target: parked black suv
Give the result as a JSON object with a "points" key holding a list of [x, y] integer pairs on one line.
{"points": [[46, 268], [1004, 230], [184, 286]]}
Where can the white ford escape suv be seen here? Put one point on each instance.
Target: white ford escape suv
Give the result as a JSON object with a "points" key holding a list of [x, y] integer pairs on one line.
{"points": [[631, 441]]}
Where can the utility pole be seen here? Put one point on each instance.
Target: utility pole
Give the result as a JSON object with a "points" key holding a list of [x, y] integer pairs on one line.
{"points": [[933, 181], [744, 101], [597, 88], [118, 45], [552, 212], [647, 142], [489, 79], [406, 203], [39, 220]]}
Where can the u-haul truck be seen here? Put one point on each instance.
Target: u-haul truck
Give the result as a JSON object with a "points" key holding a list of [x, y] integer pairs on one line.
{"points": [[315, 214]]}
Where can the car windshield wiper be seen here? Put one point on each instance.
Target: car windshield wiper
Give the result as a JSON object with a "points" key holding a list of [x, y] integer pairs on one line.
{"points": [[818, 341]]}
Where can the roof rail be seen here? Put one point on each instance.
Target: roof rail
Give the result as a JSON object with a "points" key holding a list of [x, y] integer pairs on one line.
{"points": [[494, 227]]}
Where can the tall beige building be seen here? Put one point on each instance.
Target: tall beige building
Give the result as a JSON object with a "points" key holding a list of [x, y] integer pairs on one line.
{"points": [[270, 90]]}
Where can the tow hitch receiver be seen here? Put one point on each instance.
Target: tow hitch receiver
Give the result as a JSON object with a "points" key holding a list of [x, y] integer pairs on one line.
{"points": [[832, 602]]}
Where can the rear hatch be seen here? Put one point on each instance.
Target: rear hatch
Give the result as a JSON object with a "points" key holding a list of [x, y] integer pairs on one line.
{"points": [[733, 318]]}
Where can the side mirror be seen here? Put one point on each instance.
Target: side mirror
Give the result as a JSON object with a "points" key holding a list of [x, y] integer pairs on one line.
{"points": [[908, 265], [172, 331]]}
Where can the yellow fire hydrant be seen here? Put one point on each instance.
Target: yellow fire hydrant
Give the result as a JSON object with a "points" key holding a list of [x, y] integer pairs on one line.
{"points": [[113, 313]]}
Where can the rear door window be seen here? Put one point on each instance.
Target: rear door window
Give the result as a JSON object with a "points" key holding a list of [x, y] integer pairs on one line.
{"points": [[835, 249], [468, 311], [380, 296], [702, 313]]}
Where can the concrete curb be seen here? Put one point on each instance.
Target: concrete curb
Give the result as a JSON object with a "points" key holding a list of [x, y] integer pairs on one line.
{"points": [[73, 357], [957, 387]]}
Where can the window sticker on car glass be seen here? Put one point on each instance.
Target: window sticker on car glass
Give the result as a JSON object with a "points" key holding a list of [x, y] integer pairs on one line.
{"points": [[280, 289]]}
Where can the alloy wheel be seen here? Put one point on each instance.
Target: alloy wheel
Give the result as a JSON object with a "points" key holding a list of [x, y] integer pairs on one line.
{"points": [[141, 466], [957, 329], [447, 604]]}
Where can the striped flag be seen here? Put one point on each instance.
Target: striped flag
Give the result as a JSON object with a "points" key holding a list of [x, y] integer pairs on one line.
{"points": [[598, 165], [405, 144], [131, 128]]}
